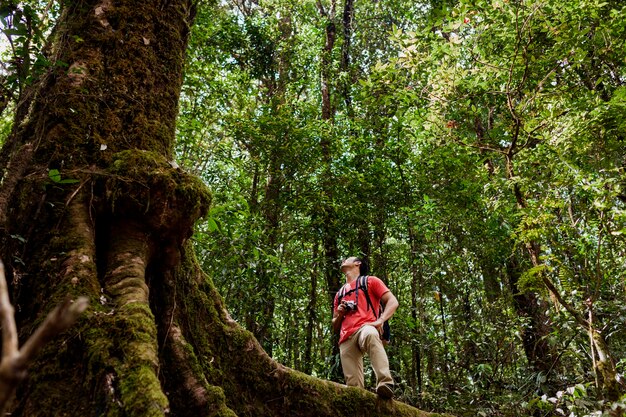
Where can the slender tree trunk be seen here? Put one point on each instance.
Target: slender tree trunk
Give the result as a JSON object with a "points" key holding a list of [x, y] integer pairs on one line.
{"points": [[330, 30], [605, 367], [380, 236], [261, 314], [348, 16], [156, 339], [491, 283], [540, 354], [312, 314], [327, 218], [417, 311], [444, 331], [536, 331], [603, 363]]}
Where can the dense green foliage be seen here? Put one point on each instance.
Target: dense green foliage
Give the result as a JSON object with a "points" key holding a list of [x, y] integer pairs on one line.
{"points": [[474, 153], [460, 135]]}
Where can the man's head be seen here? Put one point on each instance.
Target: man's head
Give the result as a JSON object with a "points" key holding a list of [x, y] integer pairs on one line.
{"points": [[354, 262]]}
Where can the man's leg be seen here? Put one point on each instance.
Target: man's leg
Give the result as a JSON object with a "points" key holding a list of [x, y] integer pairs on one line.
{"points": [[352, 362], [369, 341]]}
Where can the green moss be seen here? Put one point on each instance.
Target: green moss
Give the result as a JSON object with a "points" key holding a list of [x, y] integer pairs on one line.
{"points": [[54, 378], [122, 358], [143, 184], [128, 96], [141, 393]]}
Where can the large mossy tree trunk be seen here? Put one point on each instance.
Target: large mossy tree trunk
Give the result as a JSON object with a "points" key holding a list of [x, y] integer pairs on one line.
{"points": [[92, 204]]}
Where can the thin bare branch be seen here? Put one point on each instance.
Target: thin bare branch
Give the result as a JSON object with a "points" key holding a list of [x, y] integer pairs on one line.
{"points": [[59, 320], [14, 363], [9, 331]]}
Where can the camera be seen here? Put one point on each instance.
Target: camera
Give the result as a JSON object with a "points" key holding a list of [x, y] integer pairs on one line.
{"points": [[350, 305]]}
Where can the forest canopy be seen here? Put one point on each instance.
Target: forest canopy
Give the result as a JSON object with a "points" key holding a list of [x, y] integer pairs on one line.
{"points": [[473, 151]]}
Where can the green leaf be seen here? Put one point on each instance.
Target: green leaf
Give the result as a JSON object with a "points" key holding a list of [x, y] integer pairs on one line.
{"points": [[69, 181], [213, 225], [54, 175]]}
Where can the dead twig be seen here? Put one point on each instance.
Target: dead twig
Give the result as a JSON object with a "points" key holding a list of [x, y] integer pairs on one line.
{"points": [[15, 361]]}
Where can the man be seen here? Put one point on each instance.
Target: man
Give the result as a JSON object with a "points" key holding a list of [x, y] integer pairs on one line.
{"points": [[360, 327]]}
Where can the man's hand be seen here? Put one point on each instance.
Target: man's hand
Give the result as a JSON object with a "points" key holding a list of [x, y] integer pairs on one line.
{"points": [[391, 305], [340, 313], [378, 324], [342, 309]]}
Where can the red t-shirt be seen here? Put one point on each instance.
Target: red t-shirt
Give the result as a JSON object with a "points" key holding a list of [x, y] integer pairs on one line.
{"points": [[353, 320]]}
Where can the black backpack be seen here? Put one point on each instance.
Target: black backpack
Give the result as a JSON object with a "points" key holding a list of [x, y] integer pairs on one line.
{"points": [[361, 283]]}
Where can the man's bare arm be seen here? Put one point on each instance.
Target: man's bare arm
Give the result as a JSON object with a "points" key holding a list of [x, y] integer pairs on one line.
{"points": [[391, 305]]}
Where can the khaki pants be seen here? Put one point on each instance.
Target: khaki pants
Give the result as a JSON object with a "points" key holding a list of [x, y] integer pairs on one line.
{"points": [[365, 340]]}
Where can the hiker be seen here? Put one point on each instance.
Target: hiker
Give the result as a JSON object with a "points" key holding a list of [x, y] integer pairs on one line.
{"points": [[359, 320]]}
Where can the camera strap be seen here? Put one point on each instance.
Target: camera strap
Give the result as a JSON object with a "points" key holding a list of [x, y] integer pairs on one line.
{"points": [[360, 281]]}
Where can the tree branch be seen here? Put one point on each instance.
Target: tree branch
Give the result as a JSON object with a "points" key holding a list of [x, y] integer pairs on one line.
{"points": [[556, 294], [14, 362], [9, 331]]}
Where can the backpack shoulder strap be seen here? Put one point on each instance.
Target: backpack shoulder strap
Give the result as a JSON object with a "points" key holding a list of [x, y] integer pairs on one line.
{"points": [[342, 292], [363, 283]]}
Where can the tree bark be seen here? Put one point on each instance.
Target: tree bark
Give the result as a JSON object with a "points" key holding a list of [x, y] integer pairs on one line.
{"points": [[156, 339], [330, 30], [537, 329], [491, 283], [311, 315], [327, 216], [539, 352], [348, 15], [417, 309]]}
